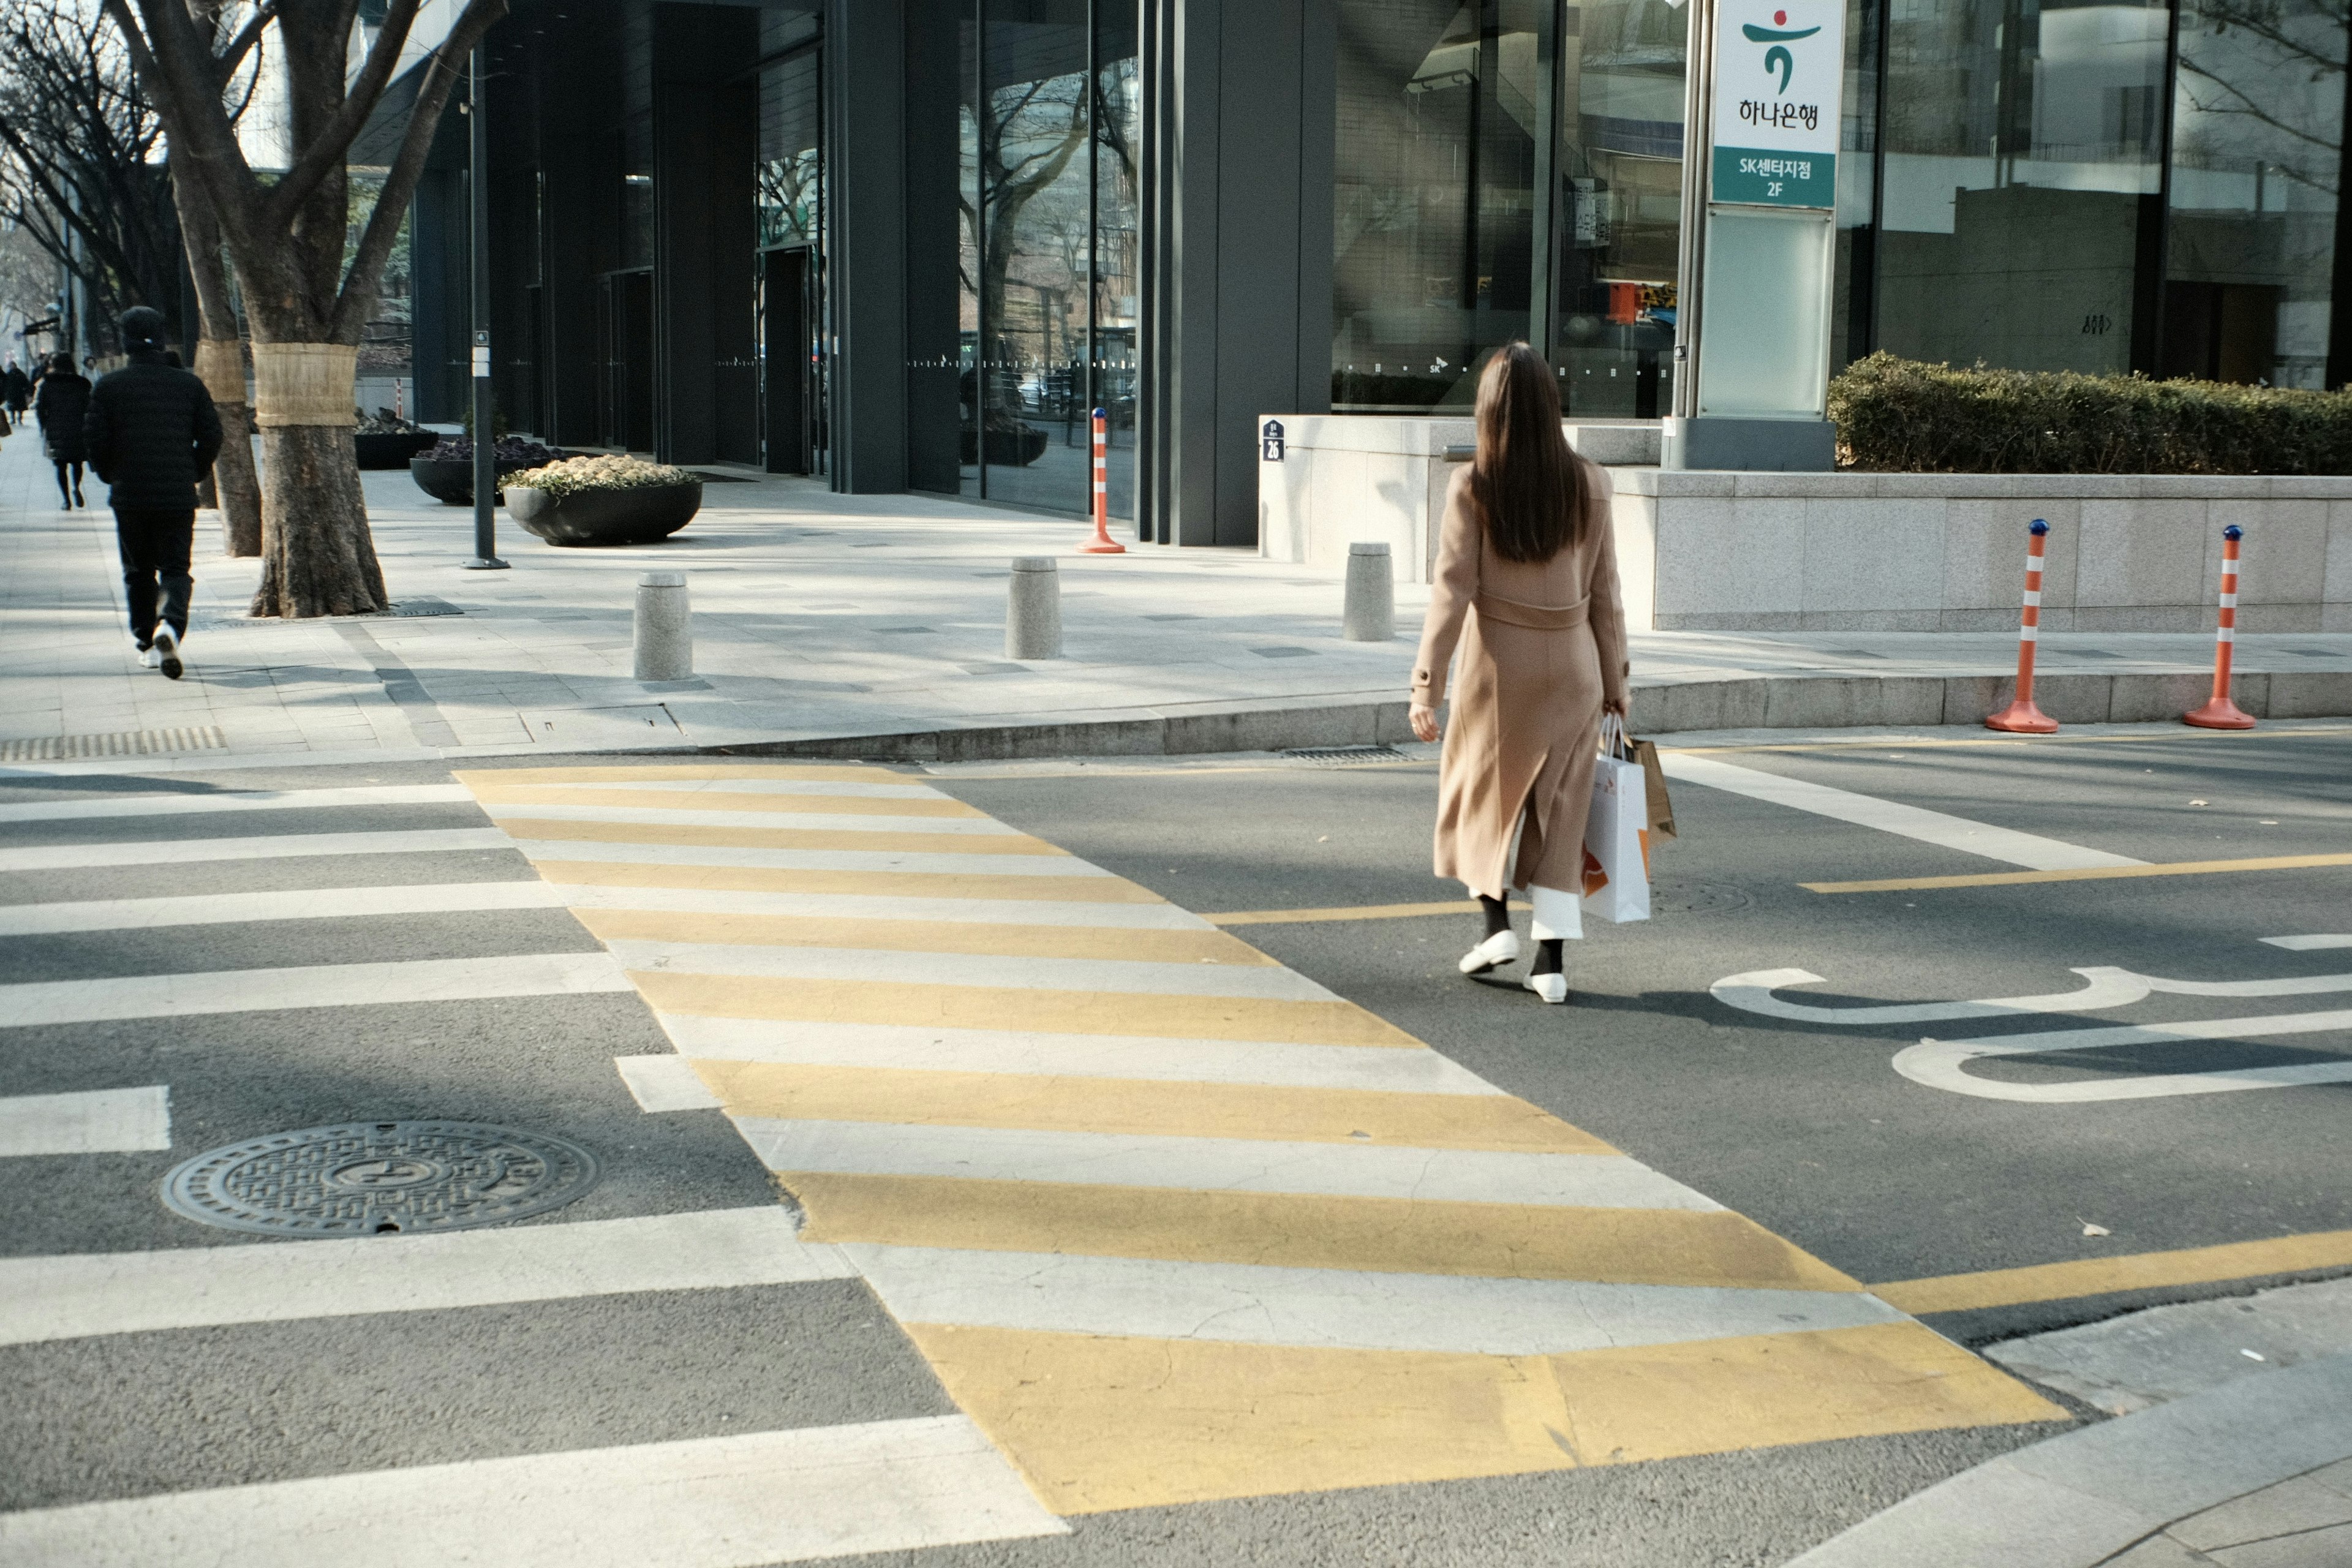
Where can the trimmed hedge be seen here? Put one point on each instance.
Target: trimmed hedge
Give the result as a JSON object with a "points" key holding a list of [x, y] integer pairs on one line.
{"points": [[1896, 415]]}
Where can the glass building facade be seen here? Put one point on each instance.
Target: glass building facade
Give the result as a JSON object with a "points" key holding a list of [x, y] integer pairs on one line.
{"points": [[910, 245]]}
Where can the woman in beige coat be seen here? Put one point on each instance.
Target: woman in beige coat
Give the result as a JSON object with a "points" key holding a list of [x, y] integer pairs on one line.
{"points": [[1526, 585]]}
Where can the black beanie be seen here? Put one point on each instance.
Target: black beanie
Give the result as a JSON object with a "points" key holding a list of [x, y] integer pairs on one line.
{"points": [[143, 328]]}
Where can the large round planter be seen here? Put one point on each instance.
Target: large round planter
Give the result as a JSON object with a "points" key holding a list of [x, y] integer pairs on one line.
{"points": [[606, 516], [451, 481], [390, 448]]}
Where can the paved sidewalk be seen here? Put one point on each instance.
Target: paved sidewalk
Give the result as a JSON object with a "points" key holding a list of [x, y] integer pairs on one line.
{"points": [[2234, 1448], [874, 626]]}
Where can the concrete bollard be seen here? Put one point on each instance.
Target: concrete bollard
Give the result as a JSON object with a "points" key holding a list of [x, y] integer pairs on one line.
{"points": [[1033, 612], [1371, 614], [665, 628]]}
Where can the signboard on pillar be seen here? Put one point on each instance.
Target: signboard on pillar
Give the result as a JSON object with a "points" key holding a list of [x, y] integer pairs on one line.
{"points": [[1759, 212]]}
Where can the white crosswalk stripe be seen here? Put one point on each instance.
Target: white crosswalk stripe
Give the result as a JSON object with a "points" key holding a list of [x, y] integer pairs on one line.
{"points": [[139, 805], [542, 850], [1087, 974], [88, 1121], [305, 904], [708, 1503], [313, 985], [278, 846], [798, 821]]}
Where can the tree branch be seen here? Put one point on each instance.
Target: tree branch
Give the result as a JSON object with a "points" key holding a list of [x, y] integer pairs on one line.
{"points": [[333, 140]]}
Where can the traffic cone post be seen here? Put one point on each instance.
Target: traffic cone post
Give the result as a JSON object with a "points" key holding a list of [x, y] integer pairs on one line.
{"points": [[1102, 543], [2022, 717], [2219, 712]]}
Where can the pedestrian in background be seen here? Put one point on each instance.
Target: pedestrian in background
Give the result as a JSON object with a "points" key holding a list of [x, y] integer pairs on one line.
{"points": [[16, 386], [1526, 585], [150, 434], [60, 404]]}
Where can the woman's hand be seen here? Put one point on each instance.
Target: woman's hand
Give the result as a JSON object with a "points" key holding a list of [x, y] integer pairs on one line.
{"points": [[1613, 705], [1423, 720]]}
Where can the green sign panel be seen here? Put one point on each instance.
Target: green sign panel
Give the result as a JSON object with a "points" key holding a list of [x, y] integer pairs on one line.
{"points": [[1759, 176]]}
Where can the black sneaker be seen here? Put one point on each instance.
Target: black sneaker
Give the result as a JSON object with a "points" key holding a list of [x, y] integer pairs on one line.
{"points": [[167, 648]]}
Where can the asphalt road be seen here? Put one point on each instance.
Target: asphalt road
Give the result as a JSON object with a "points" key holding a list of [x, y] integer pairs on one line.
{"points": [[1801, 1125]]}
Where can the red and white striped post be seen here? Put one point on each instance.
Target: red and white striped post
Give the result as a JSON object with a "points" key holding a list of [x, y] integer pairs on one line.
{"points": [[2022, 717], [2219, 712], [1102, 543]]}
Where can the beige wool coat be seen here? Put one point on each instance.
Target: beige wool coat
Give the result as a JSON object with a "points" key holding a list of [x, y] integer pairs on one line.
{"points": [[1542, 645]]}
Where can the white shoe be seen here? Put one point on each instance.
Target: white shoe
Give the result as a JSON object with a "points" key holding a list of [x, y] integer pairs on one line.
{"points": [[1503, 947], [148, 657], [167, 649], [1552, 987]]}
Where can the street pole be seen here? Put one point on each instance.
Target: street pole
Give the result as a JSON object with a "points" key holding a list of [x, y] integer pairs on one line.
{"points": [[485, 467]]}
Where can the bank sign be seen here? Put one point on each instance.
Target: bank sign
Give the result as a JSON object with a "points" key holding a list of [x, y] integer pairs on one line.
{"points": [[1779, 78]]}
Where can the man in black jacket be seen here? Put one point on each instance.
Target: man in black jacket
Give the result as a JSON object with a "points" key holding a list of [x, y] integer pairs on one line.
{"points": [[151, 433]]}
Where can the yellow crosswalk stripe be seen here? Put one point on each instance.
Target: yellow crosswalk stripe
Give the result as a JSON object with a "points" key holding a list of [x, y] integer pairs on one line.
{"points": [[570, 831], [926, 936], [1499, 1241], [718, 800], [1099, 1423], [1007, 1006], [1016, 1188], [1141, 1106], [878, 884]]}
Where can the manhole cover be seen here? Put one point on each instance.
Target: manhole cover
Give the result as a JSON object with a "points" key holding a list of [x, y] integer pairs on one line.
{"points": [[372, 1178], [1341, 757], [1679, 896]]}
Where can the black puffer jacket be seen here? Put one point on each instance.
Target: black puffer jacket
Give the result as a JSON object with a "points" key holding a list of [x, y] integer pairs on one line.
{"points": [[150, 433], [61, 404]]}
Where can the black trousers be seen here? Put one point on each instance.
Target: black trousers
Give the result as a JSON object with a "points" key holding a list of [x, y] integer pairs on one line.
{"points": [[63, 464], [155, 546]]}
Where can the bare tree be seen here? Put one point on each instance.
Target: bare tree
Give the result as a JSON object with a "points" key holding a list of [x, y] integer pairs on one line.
{"points": [[80, 160], [306, 305]]}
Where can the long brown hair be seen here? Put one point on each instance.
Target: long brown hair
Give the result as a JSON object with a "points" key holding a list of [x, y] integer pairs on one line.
{"points": [[1524, 486]]}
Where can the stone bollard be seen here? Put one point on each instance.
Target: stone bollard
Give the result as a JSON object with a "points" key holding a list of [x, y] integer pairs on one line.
{"points": [[665, 628], [1033, 614], [1371, 614]]}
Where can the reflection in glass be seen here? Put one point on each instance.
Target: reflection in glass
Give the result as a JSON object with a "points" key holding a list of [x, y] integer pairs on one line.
{"points": [[1433, 256], [2022, 145], [2258, 128], [636, 214], [788, 182], [1621, 150], [1119, 284]]}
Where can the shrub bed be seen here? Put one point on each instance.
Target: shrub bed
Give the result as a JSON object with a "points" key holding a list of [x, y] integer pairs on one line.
{"points": [[1896, 415], [571, 476]]}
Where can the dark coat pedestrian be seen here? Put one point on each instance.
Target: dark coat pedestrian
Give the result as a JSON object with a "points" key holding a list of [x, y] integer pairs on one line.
{"points": [[16, 386], [62, 402], [151, 433]]}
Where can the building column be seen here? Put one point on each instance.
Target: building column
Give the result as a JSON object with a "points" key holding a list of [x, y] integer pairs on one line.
{"points": [[865, 190]]}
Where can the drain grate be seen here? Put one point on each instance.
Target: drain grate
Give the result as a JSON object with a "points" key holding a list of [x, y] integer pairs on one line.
{"points": [[423, 605], [123, 743], [1342, 756], [373, 1178]]}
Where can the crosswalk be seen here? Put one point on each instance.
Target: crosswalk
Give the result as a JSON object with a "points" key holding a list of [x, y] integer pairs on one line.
{"points": [[189, 966], [1171, 1221]]}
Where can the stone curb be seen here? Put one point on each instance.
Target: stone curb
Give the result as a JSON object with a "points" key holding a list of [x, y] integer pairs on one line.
{"points": [[1792, 701], [2078, 1500]]}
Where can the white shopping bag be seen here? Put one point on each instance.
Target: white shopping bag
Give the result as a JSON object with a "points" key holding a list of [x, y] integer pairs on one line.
{"points": [[1616, 833]]}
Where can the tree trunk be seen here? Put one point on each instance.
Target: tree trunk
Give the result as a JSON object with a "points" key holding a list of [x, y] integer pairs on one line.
{"points": [[220, 360], [238, 482], [318, 558]]}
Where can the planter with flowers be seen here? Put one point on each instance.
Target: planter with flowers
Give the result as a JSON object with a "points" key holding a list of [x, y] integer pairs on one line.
{"points": [[604, 501], [446, 472], [384, 440]]}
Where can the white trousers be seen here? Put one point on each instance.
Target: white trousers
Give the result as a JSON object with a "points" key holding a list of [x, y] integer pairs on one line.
{"points": [[1558, 916]]}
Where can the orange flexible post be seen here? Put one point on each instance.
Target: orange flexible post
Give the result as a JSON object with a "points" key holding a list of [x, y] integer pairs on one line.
{"points": [[2022, 717]]}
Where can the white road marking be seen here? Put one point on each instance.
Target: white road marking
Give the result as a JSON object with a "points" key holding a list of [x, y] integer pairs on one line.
{"points": [[944, 865], [93, 1121], [1942, 1064], [77, 1295], [707, 1502], [1330, 1308], [979, 826], [121, 805], [818, 787], [1218, 1164], [869, 906], [1889, 816], [312, 985], [1072, 1056], [2106, 987], [1126, 976], [2307, 943], [303, 904], [275, 847], [665, 1083]]}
